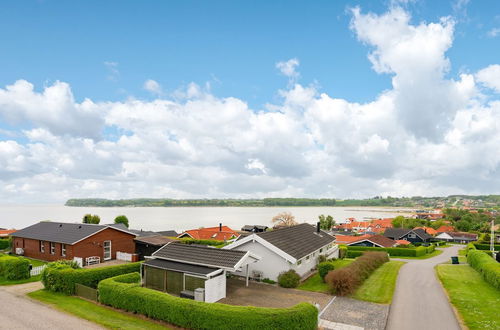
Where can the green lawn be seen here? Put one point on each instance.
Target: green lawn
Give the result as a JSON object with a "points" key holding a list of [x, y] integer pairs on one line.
{"points": [[84, 309], [379, 287], [462, 252], [316, 284], [426, 256], [476, 301], [3, 281]]}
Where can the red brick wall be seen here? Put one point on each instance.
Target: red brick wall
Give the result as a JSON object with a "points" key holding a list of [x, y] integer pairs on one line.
{"points": [[89, 247]]}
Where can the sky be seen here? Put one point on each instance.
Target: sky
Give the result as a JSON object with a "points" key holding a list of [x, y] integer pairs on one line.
{"points": [[248, 99]]}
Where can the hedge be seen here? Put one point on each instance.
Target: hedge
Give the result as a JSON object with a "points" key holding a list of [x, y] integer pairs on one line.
{"points": [[486, 247], [62, 278], [353, 254], [488, 267], [211, 242], [342, 251], [345, 280], [289, 279], [14, 268], [4, 244], [393, 252], [125, 292], [324, 268]]}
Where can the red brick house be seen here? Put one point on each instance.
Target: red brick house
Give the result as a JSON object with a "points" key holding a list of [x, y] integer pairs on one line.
{"points": [[52, 241]]}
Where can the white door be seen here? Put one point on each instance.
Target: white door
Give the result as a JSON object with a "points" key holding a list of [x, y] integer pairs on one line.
{"points": [[107, 250]]}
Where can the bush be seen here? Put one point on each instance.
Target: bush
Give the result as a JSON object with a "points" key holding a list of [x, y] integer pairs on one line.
{"points": [[324, 268], [430, 248], [124, 292], [14, 268], [353, 254], [393, 252], [202, 242], [485, 247], [344, 281], [4, 244], [488, 267], [268, 281], [342, 251], [60, 277], [289, 279]]}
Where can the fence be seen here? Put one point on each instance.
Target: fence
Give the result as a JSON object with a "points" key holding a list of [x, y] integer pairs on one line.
{"points": [[37, 270], [85, 292]]}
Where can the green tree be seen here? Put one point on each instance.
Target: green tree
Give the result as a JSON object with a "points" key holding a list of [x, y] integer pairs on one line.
{"points": [[87, 218], [92, 219], [398, 221], [122, 219], [326, 222], [463, 225]]}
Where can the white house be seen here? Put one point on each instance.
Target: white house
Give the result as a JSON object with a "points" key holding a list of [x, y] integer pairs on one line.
{"points": [[457, 237], [297, 247]]}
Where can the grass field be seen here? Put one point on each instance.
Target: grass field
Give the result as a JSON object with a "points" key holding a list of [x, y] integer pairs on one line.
{"points": [[476, 301], [316, 284], [379, 287], [3, 281], [90, 311]]}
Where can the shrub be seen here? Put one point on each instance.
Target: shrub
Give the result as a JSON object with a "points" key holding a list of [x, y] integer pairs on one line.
{"points": [[268, 281], [342, 251], [14, 268], [321, 258], [393, 252], [289, 279], [202, 242], [430, 249], [124, 292], [324, 268], [353, 254], [488, 267], [485, 247], [60, 277], [345, 280], [4, 244]]}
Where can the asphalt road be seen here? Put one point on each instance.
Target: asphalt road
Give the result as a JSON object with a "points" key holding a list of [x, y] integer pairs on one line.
{"points": [[419, 301], [19, 312]]}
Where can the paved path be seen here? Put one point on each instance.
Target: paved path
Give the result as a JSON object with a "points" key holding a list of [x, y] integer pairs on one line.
{"points": [[19, 312], [419, 301]]}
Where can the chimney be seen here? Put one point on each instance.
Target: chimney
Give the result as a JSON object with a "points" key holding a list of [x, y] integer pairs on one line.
{"points": [[220, 226], [317, 227]]}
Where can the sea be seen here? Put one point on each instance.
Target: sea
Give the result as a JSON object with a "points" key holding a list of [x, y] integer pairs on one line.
{"points": [[183, 218]]}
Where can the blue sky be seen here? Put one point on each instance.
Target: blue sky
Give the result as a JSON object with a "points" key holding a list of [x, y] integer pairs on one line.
{"points": [[198, 99], [234, 45]]}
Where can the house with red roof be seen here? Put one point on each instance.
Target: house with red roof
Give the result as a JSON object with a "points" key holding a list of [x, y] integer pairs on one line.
{"points": [[428, 230], [444, 229], [6, 232], [372, 226], [346, 239], [220, 233]]}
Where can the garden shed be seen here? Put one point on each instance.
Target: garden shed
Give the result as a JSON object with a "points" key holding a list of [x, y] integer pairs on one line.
{"points": [[182, 270]]}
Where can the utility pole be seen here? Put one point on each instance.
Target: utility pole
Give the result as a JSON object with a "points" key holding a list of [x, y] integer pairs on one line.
{"points": [[492, 238]]}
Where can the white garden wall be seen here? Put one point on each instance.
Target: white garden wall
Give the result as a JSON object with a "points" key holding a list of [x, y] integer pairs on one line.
{"points": [[215, 288]]}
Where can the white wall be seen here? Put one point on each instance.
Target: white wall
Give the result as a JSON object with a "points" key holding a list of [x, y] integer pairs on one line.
{"points": [[215, 288], [270, 264]]}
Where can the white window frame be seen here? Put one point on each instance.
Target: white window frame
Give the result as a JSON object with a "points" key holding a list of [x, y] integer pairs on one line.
{"points": [[42, 247], [52, 248], [104, 250], [63, 250]]}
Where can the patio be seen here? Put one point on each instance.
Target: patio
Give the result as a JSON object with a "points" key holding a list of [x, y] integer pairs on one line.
{"points": [[266, 295]]}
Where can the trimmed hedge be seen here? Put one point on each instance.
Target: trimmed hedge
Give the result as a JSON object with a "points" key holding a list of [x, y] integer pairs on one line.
{"points": [[210, 242], [345, 280], [393, 252], [342, 251], [4, 244], [58, 277], [353, 254], [14, 268], [488, 267], [485, 247], [125, 292], [324, 268], [289, 279]]}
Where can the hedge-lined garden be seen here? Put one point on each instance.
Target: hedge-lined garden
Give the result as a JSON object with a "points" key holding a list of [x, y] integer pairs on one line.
{"points": [[346, 280], [14, 268], [125, 292], [488, 267], [61, 277]]}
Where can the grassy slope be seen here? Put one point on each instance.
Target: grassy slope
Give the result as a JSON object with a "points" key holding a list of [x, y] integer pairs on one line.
{"points": [[476, 301], [93, 312], [379, 287], [316, 284]]}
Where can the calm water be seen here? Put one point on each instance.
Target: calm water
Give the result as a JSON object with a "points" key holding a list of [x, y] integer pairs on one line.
{"points": [[180, 218]]}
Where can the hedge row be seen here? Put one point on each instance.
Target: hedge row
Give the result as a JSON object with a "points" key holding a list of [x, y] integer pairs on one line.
{"points": [[488, 267], [124, 292], [393, 252], [486, 247], [60, 277], [345, 280], [211, 242], [353, 254], [14, 268], [4, 244]]}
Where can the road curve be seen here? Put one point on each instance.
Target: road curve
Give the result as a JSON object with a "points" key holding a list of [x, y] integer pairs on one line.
{"points": [[419, 300], [19, 312]]}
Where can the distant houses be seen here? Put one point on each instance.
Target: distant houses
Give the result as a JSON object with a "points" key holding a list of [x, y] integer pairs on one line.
{"points": [[410, 235], [220, 233], [457, 237]]}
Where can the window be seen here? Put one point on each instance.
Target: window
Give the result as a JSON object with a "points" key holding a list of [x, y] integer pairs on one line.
{"points": [[299, 262], [52, 248], [412, 236], [63, 250], [42, 246], [307, 258], [320, 250]]}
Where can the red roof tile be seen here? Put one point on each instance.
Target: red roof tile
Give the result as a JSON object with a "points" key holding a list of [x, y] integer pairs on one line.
{"points": [[212, 233]]}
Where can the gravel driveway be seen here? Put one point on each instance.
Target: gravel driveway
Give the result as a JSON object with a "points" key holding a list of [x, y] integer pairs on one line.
{"points": [[419, 301], [362, 314], [19, 312]]}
